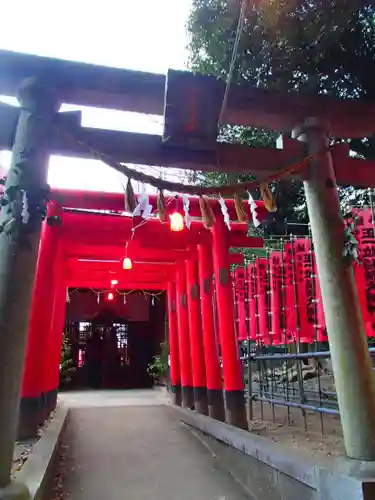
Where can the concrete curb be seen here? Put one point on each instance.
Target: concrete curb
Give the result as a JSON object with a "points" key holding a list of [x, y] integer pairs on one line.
{"points": [[35, 474], [282, 468], [255, 446]]}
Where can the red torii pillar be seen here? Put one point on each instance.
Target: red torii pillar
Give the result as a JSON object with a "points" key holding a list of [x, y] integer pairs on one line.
{"points": [[52, 358], [184, 340], [33, 403], [232, 368], [175, 374], [211, 350], [196, 340]]}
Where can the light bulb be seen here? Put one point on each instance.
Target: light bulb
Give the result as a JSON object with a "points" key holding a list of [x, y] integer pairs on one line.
{"points": [[127, 263], [114, 282], [176, 222], [110, 296]]}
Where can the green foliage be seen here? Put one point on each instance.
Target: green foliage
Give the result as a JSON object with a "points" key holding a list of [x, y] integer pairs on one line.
{"points": [[319, 46], [314, 46], [158, 368], [66, 363]]}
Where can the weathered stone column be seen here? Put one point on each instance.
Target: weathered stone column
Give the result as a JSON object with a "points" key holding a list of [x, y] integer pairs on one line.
{"points": [[351, 362], [19, 241]]}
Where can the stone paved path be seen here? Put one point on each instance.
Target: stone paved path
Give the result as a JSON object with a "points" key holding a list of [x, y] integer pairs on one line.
{"points": [[138, 453]]}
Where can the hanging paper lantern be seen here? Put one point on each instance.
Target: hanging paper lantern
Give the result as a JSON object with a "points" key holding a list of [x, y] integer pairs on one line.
{"points": [[176, 222], [127, 263]]}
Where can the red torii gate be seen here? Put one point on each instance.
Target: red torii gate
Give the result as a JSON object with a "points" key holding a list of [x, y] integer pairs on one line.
{"points": [[86, 251]]}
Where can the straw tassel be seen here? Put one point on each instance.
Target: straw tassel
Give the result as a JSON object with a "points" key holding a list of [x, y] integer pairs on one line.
{"points": [[267, 197], [130, 202], [208, 216], [240, 211], [163, 214]]}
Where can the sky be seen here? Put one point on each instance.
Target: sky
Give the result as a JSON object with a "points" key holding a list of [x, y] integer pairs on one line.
{"points": [[146, 35]]}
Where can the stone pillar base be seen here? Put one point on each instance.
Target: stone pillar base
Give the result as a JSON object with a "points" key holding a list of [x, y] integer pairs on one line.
{"points": [[235, 412], [43, 408], [187, 397], [200, 400], [216, 404], [176, 395], [14, 491], [28, 418], [51, 401], [47, 405]]}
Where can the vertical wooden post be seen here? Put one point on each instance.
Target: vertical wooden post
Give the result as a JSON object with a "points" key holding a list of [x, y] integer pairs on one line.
{"points": [[196, 340], [19, 243], [211, 351], [352, 367], [175, 373], [232, 368], [184, 340], [34, 402]]}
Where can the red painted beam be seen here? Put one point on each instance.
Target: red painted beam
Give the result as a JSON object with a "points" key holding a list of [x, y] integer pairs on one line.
{"points": [[109, 274], [103, 285], [238, 240], [84, 222], [99, 230], [83, 251], [236, 258], [354, 172], [98, 245]]}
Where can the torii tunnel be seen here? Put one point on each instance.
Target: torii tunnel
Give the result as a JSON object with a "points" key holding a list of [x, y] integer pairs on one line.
{"points": [[86, 251]]}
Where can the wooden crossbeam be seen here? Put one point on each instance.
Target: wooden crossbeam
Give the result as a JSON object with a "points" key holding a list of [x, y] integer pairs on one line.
{"points": [[85, 84], [99, 86], [148, 149]]}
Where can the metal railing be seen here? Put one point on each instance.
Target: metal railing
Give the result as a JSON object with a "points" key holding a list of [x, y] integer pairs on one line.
{"points": [[289, 382]]}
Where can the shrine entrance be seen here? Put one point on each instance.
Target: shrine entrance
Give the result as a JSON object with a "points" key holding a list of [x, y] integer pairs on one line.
{"points": [[99, 352], [109, 348]]}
